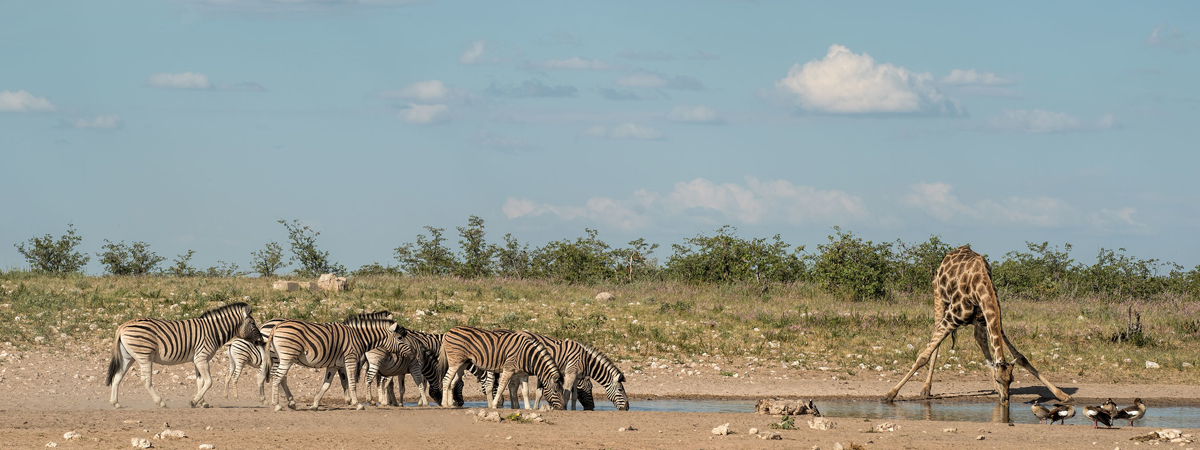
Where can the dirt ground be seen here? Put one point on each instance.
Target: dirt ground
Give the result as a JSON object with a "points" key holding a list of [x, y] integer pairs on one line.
{"points": [[44, 395]]}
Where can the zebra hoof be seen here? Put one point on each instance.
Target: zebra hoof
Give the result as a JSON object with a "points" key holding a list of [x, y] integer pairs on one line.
{"points": [[279, 407], [162, 403], [359, 407], [116, 406]]}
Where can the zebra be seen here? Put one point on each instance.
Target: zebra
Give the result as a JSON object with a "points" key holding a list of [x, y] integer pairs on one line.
{"points": [[567, 355], [383, 366], [330, 346], [597, 367], [500, 351], [171, 342]]}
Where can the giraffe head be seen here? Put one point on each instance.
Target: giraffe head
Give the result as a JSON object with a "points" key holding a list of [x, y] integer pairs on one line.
{"points": [[1004, 378]]}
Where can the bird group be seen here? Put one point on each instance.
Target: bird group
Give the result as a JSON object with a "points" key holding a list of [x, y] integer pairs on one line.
{"points": [[1105, 413]]}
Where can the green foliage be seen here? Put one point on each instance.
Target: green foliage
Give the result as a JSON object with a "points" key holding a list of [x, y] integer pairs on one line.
{"points": [[787, 423], [513, 260], [916, 263], [850, 265], [223, 270], [1121, 275], [1042, 272], [634, 261], [377, 269], [268, 261], [312, 262], [135, 259], [58, 256], [726, 258], [477, 254], [585, 260], [429, 256], [182, 267]]}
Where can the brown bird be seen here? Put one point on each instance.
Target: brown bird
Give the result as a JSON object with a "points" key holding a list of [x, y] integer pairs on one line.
{"points": [[1061, 413], [1040, 412], [1132, 413], [1097, 414], [1109, 407]]}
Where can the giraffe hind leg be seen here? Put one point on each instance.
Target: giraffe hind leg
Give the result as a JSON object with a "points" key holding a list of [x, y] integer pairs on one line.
{"points": [[1021, 361]]}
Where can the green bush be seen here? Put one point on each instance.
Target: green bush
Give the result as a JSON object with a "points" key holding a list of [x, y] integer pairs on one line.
{"points": [[585, 260], [429, 256], [182, 266], [726, 258], [513, 260], [1042, 272], [312, 262], [58, 256], [477, 254], [134, 259], [268, 261], [916, 263], [850, 265]]}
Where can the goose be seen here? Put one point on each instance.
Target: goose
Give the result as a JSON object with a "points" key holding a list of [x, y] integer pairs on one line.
{"points": [[1109, 407], [1132, 413], [1061, 413], [1040, 412], [1097, 414]]}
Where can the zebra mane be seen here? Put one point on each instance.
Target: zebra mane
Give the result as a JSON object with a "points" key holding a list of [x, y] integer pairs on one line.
{"points": [[537, 344], [241, 307], [602, 360], [381, 314], [368, 322]]}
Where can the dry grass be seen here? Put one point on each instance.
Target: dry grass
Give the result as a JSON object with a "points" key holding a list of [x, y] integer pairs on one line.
{"points": [[796, 325]]}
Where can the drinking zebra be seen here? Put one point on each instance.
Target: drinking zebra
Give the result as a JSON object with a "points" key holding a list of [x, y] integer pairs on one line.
{"points": [[500, 351], [171, 342], [597, 367], [567, 355], [385, 365], [330, 346]]}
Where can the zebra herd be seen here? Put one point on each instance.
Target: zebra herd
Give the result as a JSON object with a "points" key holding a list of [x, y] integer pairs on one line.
{"points": [[501, 359]]}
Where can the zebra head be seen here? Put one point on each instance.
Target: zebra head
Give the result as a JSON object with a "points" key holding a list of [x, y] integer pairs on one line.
{"points": [[616, 392], [238, 315]]}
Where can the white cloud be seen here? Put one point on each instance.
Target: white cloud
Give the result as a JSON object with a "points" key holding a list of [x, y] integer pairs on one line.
{"points": [[752, 203], [642, 80], [576, 63], [101, 122], [186, 80], [623, 131], [424, 114], [1039, 121], [847, 83], [695, 114], [1119, 219], [23, 101], [1169, 37], [474, 54], [972, 77], [939, 200], [424, 91]]}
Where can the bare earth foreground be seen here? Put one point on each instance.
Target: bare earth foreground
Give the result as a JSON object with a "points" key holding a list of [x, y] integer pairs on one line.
{"points": [[43, 396]]}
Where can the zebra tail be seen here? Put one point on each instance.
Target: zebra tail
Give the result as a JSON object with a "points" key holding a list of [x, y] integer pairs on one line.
{"points": [[114, 364]]}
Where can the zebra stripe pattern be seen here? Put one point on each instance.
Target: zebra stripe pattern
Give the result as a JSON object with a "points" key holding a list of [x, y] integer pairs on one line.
{"points": [[171, 342], [243, 352], [330, 346], [568, 356], [389, 365], [500, 351], [605, 372]]}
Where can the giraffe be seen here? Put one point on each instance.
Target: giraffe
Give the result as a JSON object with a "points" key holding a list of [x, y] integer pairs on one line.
{"points": [[965, 295]]}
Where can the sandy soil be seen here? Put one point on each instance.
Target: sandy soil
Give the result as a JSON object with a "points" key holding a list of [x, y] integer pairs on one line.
{"points": [[45, 395]]}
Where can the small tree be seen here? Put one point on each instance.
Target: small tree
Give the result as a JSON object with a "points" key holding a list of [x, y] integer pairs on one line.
{"points": [[312, 262], [135, 259], [223, 270], [477, 255], [853, 266], [429, 256], [916, 263], [636, 260], [269, 260], [513, 259], [586, 260], [182, 266], [46, 254]]}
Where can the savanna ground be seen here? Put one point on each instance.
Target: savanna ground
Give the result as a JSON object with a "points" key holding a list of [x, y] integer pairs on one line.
{"points": [[675, 340]]}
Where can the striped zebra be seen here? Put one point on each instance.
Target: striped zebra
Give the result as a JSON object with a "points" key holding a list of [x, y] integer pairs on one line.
{"points": [[331, 346], [567, 355], [596, 366], [433, 368], [500, 351], [171, 342], [383, 366]]}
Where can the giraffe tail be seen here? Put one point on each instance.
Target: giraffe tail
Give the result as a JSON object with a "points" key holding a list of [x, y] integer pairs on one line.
{"points": [[954, 338]]}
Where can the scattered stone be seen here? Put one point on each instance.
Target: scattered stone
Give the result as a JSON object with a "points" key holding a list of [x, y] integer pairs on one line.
{"points": [[777, 407], [838, 446], [133, 421], [886, 426], [1186, 364], [770, 436], [722, 430], [331, 282], [492, 417], [206, 447], [1151, 365], [52, 444], [821, 423], [605, 296], [288, 286], [950, 430], [753, 431], [208, 427], [979, 438], [170, 434], [141, 443], [1173, 436], [72, 435]]}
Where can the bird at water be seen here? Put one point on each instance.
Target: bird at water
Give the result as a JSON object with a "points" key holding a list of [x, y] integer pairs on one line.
{"points": [[1132, 413], [1109, 407], [1061, 413], [1040, 411], [1097, 414]]}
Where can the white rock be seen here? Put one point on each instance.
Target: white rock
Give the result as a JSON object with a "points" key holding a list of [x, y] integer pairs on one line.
{"points": [[172, 434], [71, 435], [979, 438], [52, 444], [821, 423], [1186, 364], [838, 446], [288, 286], [1151, 365], [141, 443], [206, 447], [950, 430], [1169, 433], [722, 430], [753, 431], [605, 296], [886, 426], [770, 436]]}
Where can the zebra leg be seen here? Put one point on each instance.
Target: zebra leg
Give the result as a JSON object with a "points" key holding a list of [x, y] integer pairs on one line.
{"points": [[415, 370], [280, 379], [324, 387], [396, 396], [203, 380], [235, 367], [453, 375], [585, 394], [513, 386], [342, 376], [537, 398], [263, 373], [352, 375], [570, 391], [498, 402], [126, 360], [147, 372]]}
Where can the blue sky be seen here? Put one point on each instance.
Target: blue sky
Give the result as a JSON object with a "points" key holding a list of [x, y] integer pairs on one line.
{"points": [[198, 124]]}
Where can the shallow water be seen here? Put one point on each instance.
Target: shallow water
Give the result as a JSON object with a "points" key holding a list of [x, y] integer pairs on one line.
{"points": [[1156, 417]]}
